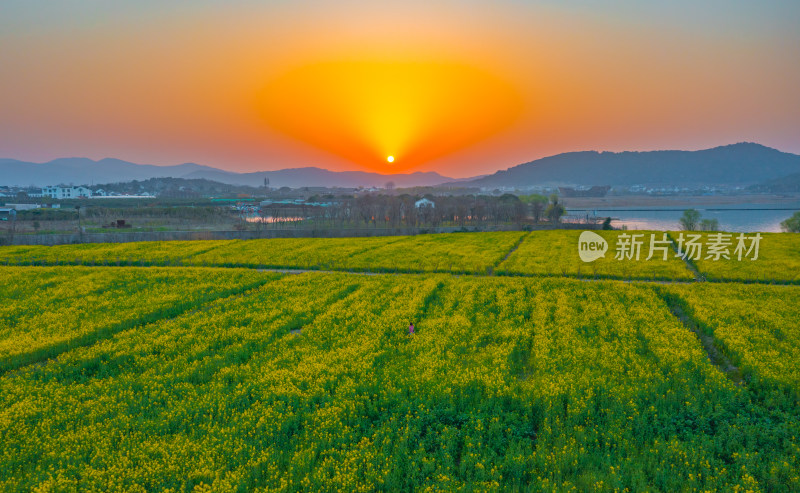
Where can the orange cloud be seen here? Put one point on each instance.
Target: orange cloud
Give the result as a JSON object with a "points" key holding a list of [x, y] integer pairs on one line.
{"points": [[364, 111]]}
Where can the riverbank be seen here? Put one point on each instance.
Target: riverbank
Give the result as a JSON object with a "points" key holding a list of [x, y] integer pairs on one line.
{"points": [[681, 201]]}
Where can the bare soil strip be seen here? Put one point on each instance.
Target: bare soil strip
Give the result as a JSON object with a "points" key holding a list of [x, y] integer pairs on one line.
{"points": [[367, 272], [689, 264], [490, 270], [715, 355]]}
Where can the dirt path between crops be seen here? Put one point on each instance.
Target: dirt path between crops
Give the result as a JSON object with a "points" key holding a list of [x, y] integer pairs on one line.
{"points": [[686, 260], [526, 276], [513, 249], [290, 270], [715, 355]]}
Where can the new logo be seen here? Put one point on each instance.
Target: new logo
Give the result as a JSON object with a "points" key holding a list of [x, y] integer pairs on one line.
{"points": [[591, 246]]}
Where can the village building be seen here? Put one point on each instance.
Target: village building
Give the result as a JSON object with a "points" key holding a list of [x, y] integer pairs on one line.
{"points": [[57, 192]]}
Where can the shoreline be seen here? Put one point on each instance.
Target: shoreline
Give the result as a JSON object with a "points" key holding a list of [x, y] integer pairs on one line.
{"points": [[682, 201]]}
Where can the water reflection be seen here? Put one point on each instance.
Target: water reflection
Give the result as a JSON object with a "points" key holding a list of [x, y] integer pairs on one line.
{"points": [[271, 220], [738, 218]]}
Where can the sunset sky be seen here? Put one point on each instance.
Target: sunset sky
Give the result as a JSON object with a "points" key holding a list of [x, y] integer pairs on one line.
{"points": [[462, 88]]}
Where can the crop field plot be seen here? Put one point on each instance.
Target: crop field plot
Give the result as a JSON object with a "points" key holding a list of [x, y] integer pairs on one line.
{"points": [[456, 253], [48, 310], [778, 258], [134, 253], [293, 253], [555, 253], [310, 382], [756, 325], [459, 253]]}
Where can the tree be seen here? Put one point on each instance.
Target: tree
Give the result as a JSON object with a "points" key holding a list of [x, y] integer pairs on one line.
{"points": [[607, 223], [536, 204], [792, 225], [709, 225], [690, 219], [555, 210]]}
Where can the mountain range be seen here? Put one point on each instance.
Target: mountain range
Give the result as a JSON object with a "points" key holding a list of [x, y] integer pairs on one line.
{"points": [[743, 164], [84, 171], [740, 164]]}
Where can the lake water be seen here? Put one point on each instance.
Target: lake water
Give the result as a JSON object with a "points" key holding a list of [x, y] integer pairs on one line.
{"points": [[740, 218]]}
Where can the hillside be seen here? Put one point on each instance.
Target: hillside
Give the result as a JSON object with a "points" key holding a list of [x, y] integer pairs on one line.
{"points": [[86, 171], [733, 165], [318, 177], [744, 164], [784, 184], [176, 187]]}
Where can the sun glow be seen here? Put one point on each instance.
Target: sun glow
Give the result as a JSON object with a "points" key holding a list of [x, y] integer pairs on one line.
{"points": [[361, 111]]}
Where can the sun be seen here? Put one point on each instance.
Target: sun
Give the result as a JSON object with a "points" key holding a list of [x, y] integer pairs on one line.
{"points": [[365, 109]]}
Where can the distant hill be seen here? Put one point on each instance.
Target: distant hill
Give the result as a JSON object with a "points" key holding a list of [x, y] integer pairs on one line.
{"points": [[176, 187], [83, 171], [744, 164], [784, 184], [733, 165], [318, 177]]}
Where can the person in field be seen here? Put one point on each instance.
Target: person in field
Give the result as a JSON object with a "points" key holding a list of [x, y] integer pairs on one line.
{"points": [[411, 329]]}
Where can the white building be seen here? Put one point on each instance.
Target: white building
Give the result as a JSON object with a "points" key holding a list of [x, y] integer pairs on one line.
{"points": [[66, 192], [424, 203], [24, 207]]}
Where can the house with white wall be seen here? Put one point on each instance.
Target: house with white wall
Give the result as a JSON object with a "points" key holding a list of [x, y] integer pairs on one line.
{"points": [[57, 192]]}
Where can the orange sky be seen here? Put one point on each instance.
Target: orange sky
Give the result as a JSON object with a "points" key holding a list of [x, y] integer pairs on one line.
{"points": [[462, 88], [415, 112]]}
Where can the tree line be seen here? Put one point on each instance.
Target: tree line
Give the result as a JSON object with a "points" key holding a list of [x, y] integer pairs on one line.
{"points": [[392, 211]]}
